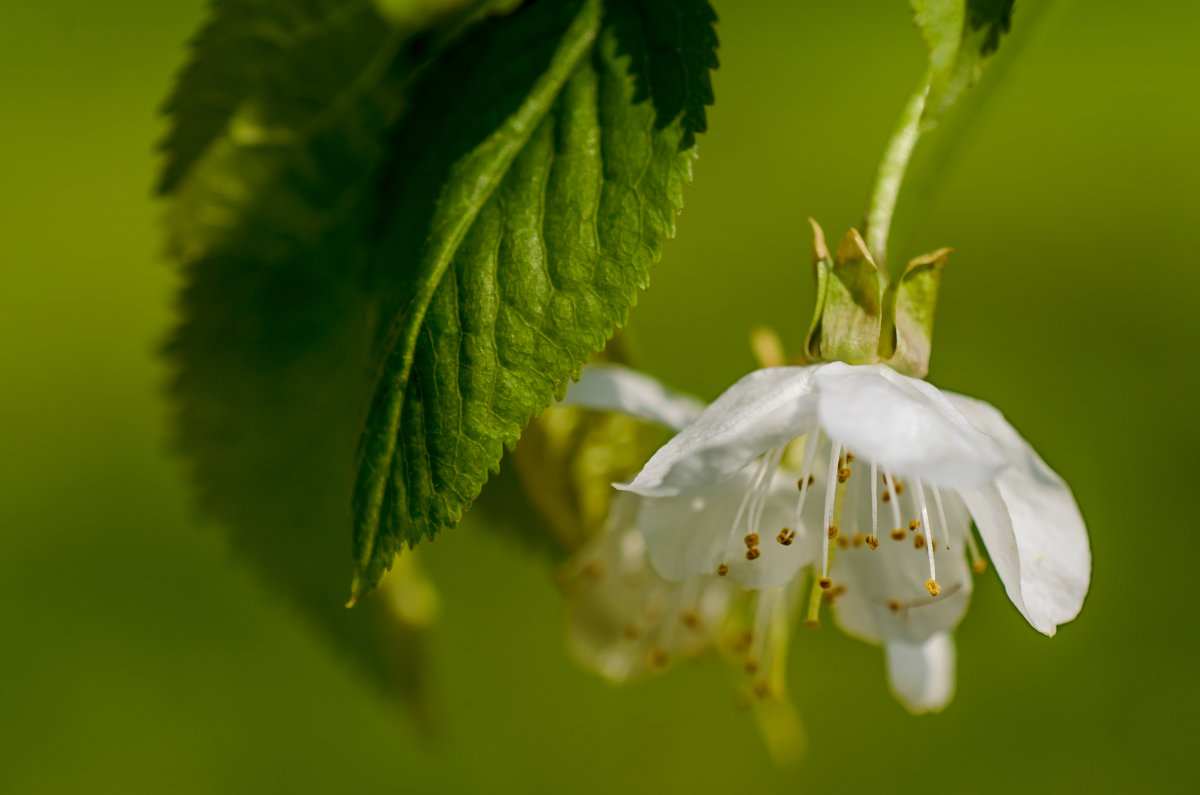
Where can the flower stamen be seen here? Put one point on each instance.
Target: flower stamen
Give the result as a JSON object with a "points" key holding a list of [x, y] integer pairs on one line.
{"points": [[831, 488], [760, 502], [806, 477], [930, 584], [873, 539], [892, 496], [937, 500], [759, 486], [762, 651], [978, 561]]}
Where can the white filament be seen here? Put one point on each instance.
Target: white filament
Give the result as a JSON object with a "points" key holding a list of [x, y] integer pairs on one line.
{"points": [[937, 499], [875, 499], [894, 499], [928, 528], [830, 487], [811, 445]]}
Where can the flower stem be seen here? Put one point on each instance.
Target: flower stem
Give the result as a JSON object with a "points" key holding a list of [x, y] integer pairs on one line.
{"points": [[890, 176]]}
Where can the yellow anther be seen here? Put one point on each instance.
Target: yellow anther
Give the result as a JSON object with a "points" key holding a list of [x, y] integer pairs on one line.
{"points": [[742, 641], [849, 456], [919, 540], [752, 553], [914, 524], [873, 541], [894, 605], [722, 570], [828, 596], [843, 474], [802, 483], [690, 619], [762, 689], [858, 540], [979, 566], [933, 588], [752, 666], [898, 534], [843, 542], [825, 583], [898, 486], [833, 531], [786, 536], [659, 659], [887, 496], [751, 540]]}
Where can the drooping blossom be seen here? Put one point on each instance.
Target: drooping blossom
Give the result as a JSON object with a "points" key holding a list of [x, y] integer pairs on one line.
{"points": [[872, 478]]}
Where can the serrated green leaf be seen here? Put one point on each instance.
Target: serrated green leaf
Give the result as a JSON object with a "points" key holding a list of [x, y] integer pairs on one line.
{"points": [[554, 487], [279, 127], [518, 240], [565, 465], [266, 73], [269, 391], [961, 35]]}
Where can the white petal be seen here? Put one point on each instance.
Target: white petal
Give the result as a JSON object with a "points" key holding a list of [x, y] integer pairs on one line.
{"points": [[693, 534], [904, 425], [610, 387], [762, 410], [922, 675], [1031, 526]]}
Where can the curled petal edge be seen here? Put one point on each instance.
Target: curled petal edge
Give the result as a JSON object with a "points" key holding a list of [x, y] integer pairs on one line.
{"points": [[762, 410], [1031, 526]]}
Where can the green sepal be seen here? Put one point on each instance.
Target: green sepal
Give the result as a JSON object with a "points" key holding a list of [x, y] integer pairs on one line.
{"points": [[858, 321], [822, 262], [848, 317], [908, 339]]}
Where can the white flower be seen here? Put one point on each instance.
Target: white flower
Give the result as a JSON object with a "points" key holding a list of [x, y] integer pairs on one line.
{"points": [[890, 472], [625, 620]]}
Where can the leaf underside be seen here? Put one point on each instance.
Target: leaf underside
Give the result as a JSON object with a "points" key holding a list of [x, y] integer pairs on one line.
{"points": [[278, 131], [534, 250]]}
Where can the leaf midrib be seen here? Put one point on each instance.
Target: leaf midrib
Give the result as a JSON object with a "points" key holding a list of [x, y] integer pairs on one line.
{"points": [[501, 148]]}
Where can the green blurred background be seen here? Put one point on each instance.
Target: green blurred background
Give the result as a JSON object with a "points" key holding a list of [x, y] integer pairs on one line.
{"points": [[139, 655]]}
